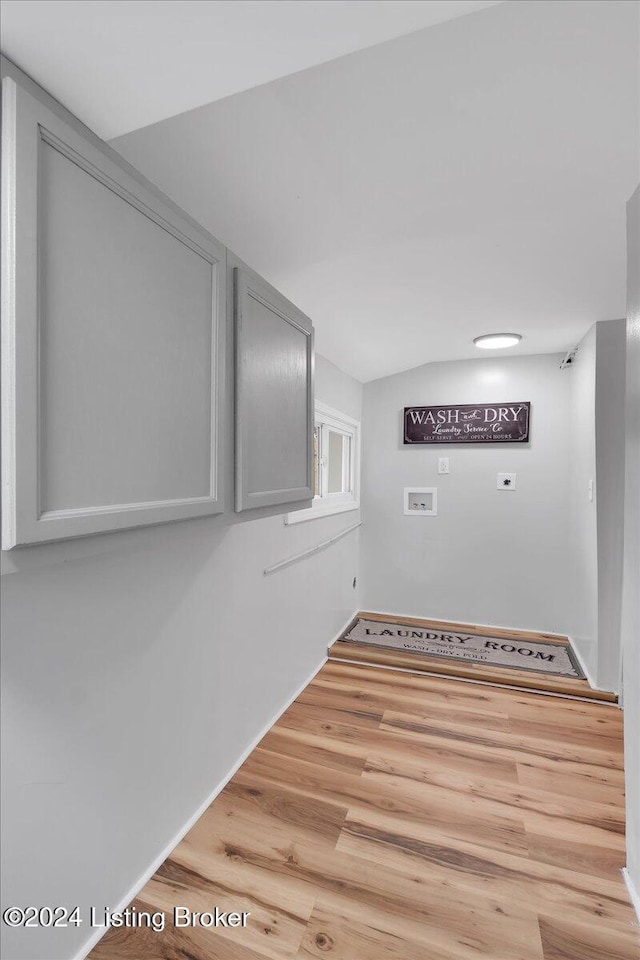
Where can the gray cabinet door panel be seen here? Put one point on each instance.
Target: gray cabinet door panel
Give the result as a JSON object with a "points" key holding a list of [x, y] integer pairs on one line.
{"points": [[274, 396], [113, 310]]}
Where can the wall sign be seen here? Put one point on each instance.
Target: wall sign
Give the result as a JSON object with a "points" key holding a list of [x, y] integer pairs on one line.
{"points": [[468, 423]]}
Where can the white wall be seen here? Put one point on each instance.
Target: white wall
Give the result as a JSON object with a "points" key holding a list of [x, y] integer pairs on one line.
{"points": [[137, 667], [610, 458], [597, 384], [631, 575], [583, 532], [490, 556]]}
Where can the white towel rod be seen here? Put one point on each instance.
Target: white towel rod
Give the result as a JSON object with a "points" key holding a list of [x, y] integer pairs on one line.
{"points": [[307, 553]]}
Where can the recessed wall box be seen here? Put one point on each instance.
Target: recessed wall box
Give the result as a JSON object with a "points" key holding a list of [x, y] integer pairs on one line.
{"points": [[420, 501]]}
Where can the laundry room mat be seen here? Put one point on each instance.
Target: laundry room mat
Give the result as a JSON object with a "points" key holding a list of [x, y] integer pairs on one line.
{"points": [[538, 656]]}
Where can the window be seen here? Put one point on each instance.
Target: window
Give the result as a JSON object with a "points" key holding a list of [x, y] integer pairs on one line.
{"points": [[336, 465]]}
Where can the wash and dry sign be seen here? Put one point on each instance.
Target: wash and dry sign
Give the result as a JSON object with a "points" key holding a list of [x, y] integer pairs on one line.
{"points": [[468, 423]]}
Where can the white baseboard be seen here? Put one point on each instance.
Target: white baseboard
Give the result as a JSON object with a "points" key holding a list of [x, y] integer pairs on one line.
{"points": [[343, 628], [633, 893], [585, 668], [146, 876]]}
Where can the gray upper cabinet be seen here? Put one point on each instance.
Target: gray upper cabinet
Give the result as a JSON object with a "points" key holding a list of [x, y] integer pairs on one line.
{"points": [[273, 394], [113, 311]]}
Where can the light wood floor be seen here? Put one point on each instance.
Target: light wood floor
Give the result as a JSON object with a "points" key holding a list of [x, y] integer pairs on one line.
{"points": [[389, 816], [527, 679]]}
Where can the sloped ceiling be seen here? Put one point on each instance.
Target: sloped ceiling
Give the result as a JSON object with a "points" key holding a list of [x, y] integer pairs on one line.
{"points": [[462, 179], [465, 179], [123, 64]]}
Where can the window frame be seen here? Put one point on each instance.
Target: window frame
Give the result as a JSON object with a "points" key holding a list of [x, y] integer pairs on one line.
{"points": [[327, 504]]}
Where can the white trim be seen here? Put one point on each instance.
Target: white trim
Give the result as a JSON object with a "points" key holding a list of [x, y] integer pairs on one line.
{"points": [[585, 669], [342, 629], [159, 860], [314, 513], [337, 415], [633, 893]]}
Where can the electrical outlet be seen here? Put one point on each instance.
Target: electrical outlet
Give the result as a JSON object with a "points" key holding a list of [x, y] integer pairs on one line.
{"points": [[506, 481], [443, 464]]}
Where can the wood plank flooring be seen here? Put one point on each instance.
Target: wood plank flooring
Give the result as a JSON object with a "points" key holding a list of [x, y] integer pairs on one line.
{"points": [[391, 816], [486, 673]]}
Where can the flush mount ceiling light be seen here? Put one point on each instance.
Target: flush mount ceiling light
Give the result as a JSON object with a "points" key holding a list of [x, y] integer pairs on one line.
{"points": [[497, 341]]}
